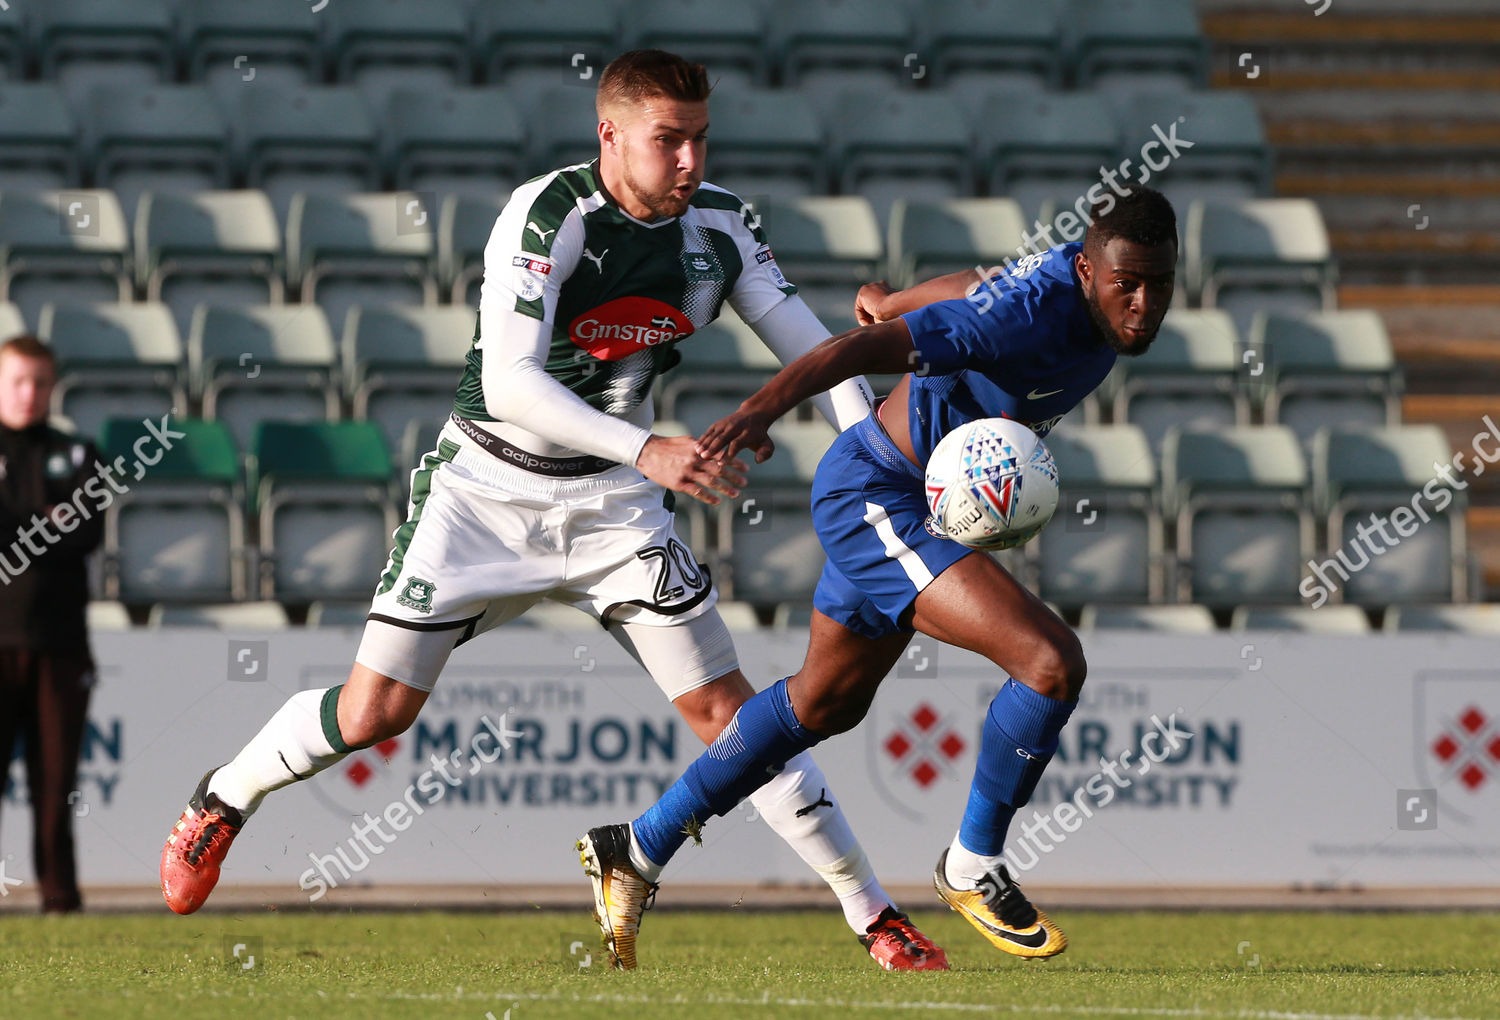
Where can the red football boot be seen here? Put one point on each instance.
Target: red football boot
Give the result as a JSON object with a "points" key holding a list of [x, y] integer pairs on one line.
{"points": [[195, 850]]}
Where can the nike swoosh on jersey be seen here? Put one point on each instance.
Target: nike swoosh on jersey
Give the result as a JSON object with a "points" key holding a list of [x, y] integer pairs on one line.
{"points": [[1034, 395], [1034, 940]]}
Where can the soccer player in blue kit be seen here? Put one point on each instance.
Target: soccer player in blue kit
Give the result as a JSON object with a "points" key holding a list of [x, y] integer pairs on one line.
{"points": [[1029, 344]]}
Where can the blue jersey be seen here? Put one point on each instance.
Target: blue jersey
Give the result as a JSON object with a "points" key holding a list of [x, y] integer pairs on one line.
{"points": [[1022, 348]]}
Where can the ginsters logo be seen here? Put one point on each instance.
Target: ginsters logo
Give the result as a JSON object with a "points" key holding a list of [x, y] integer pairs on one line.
{"points": [[619, 328]]}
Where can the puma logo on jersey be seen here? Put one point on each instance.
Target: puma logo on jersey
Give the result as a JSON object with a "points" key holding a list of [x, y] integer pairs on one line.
{"points": [[539, 232], [597, 260]]}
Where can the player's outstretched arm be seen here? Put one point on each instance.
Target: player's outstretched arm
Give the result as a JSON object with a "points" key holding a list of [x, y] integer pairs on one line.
{"points": [[877, 302], [883, 347]]}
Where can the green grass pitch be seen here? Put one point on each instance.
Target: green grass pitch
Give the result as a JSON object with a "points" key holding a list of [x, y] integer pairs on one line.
{"points": [[731, 964]]}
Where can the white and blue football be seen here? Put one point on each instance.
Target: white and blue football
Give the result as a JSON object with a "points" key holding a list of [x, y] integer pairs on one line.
{"points": [[991, 484]]}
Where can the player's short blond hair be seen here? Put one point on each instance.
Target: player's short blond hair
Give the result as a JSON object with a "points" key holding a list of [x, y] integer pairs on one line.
{"points": [[648, 74]]}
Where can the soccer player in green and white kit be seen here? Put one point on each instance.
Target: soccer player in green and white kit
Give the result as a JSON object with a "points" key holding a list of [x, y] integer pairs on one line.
{"points": [[547, 483]]}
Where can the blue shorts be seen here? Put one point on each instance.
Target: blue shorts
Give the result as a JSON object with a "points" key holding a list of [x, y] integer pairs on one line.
{"points": [[870, 512]]}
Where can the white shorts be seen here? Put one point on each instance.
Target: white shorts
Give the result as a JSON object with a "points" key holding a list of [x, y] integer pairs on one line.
{"points": [[485, 541]]}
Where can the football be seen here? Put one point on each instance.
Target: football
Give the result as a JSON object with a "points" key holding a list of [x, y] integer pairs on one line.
{"points": [[991, 484]]}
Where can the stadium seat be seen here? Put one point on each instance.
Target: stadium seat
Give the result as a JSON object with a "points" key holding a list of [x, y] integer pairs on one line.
{"points": [[811, 40], [38, 138], [1303, 619], [767, 550], [1265, 252], [1135, 43], [1033, 147], [361, 249], [722, 364], [1105, 543], [11, 320], [329, 613], [106, 615], [1477, 620], [419, 439], [260, 362], [767, 143], [1326, 369], [232, 45], [828, 247], [385, 46], [1009, 39], [517, 33], [155, 137], [563, 127], [1167, 619], [82, 43], [927, 239], [214, 247], [739, 617], [403, 364], [12, 43], [454, 141], [178, 533], [895, 143], [1190, 379], [235, 616], [115, 360], [1229, 159], [323, 496], [62, 246], [1244, 528], [1362, 472], [464, 228], [728, 38], [317, 138]]}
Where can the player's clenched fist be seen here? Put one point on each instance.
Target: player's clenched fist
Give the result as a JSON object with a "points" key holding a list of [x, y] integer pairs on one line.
{"points": [[674, 462], [867, 302]]}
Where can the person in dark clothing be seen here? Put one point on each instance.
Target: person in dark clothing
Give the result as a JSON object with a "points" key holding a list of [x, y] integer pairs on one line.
{"points": [[48, 526]]}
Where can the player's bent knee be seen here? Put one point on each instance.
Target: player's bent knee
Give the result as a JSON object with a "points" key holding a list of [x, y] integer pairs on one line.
{"points": [[1058, 668], [831, 712]]}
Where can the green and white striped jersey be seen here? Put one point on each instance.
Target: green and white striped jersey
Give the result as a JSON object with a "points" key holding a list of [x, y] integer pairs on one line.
{"points": [[619, 293]]}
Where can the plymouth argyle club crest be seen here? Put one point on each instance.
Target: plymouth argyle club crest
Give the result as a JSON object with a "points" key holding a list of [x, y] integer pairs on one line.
{"points": [[417, 595], [1456, 741]]}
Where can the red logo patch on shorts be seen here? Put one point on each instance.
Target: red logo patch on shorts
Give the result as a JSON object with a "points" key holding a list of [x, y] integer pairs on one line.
{"points": [[628, 324]]}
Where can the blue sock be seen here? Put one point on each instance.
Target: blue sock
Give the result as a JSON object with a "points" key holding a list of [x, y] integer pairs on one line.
{"points": [[1019, 720], [763, 735]]}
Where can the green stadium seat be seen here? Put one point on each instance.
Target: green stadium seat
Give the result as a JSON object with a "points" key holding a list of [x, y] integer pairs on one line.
{"points": [[155, 137], [236, 44], [454, 141], [403, 364], [1363, 471], [229, 616], [1037, 145], [361, 249], [419, 439], [1010, 38], [1326, 369], [901, 142], [38, 138], [114, 360], [517, 33], [317, 138], [464, 228], [324, 499], [767, 142], [564, 127], [1268, 252], [385, 46], [214, 247], [1105, 543], [812, 39], [82, 43], [1136, 43], [1191, 378], [263, 361], [1163, 619], [1230, 157], [722, 363], [62, 246], [827, 246], [1301, 619], [728, 38], [927, 239], [12, 42], [178, 533], [11, 320], [1477, 620], [1239, 497]]}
